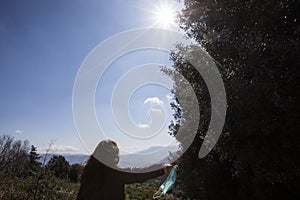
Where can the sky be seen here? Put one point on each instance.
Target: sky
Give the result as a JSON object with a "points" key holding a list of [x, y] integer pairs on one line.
{"points": [[42, 46]]}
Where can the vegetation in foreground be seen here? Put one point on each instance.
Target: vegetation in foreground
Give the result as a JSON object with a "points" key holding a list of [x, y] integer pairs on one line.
{"points": [[22, 176]]}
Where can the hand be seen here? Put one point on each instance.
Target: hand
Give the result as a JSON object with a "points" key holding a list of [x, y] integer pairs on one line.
{"points": [[168, 168]]}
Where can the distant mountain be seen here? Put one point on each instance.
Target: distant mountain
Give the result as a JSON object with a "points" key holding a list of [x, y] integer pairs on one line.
{"points": [[71, 158], [165, 149], [146, 157], [76, 158], [150, 156]]}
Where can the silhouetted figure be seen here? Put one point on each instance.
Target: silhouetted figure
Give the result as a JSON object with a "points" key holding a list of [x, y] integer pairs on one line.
{"points": [[99, 181]]}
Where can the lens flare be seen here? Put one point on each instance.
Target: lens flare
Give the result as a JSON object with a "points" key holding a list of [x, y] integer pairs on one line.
{"points": [[165, 15]]}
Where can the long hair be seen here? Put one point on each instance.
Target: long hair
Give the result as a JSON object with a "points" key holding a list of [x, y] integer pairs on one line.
{"points": [[105, 156]]}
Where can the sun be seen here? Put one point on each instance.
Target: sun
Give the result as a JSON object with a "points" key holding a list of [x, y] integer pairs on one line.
{"points": [[165, 16]]}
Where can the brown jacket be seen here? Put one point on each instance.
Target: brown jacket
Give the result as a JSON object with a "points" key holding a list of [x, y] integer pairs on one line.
{"points": [[99, 182]]}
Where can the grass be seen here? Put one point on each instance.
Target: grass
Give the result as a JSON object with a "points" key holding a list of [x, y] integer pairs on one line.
{"points": [[51, 188]]}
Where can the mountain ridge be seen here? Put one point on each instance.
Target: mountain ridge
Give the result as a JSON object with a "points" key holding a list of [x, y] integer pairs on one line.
{"points": [[142, 158]]}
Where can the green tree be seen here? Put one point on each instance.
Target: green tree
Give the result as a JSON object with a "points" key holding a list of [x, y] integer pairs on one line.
{"points": [[75, 172], [59, 166], [13, 156], [256, 47], [34, 157]]}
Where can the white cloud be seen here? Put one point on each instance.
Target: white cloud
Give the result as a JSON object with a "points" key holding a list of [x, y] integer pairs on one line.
{"points": [[143, 125], [154, 100], [60, 148], [169, 97], [18, 131]]}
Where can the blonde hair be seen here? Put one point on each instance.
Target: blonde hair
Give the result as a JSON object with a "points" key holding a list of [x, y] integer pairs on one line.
{"points": [[107, 152]]}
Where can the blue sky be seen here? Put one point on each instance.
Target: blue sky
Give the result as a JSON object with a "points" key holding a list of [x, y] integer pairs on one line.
{"points": [[42, 45]]}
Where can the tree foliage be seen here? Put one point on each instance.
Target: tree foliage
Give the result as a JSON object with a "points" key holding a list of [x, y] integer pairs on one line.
{"points": [[59, 166], [75, 172], [34, 163], [13, 156], [255, 45], [23, 177]]}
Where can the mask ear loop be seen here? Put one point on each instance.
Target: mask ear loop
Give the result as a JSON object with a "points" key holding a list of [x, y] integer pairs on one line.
{"points": [[157, 194]]}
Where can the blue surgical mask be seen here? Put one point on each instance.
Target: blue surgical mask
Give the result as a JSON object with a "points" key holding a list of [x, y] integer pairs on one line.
{"points": [[168, 184]]}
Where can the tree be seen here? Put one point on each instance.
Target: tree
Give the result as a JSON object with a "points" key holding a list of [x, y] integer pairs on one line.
{"points": [[59, 166], [75, 172], [13, 156], [34, 157], [256, 47]]}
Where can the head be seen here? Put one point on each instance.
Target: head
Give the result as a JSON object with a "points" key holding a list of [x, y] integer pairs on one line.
{"points": [[107, 152]]}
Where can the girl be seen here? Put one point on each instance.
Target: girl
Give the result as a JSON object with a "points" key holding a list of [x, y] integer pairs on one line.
{"points": [[99, 181]]}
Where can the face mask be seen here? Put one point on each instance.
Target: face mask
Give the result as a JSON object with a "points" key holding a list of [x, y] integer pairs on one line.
{"points": [[168, 184]]}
